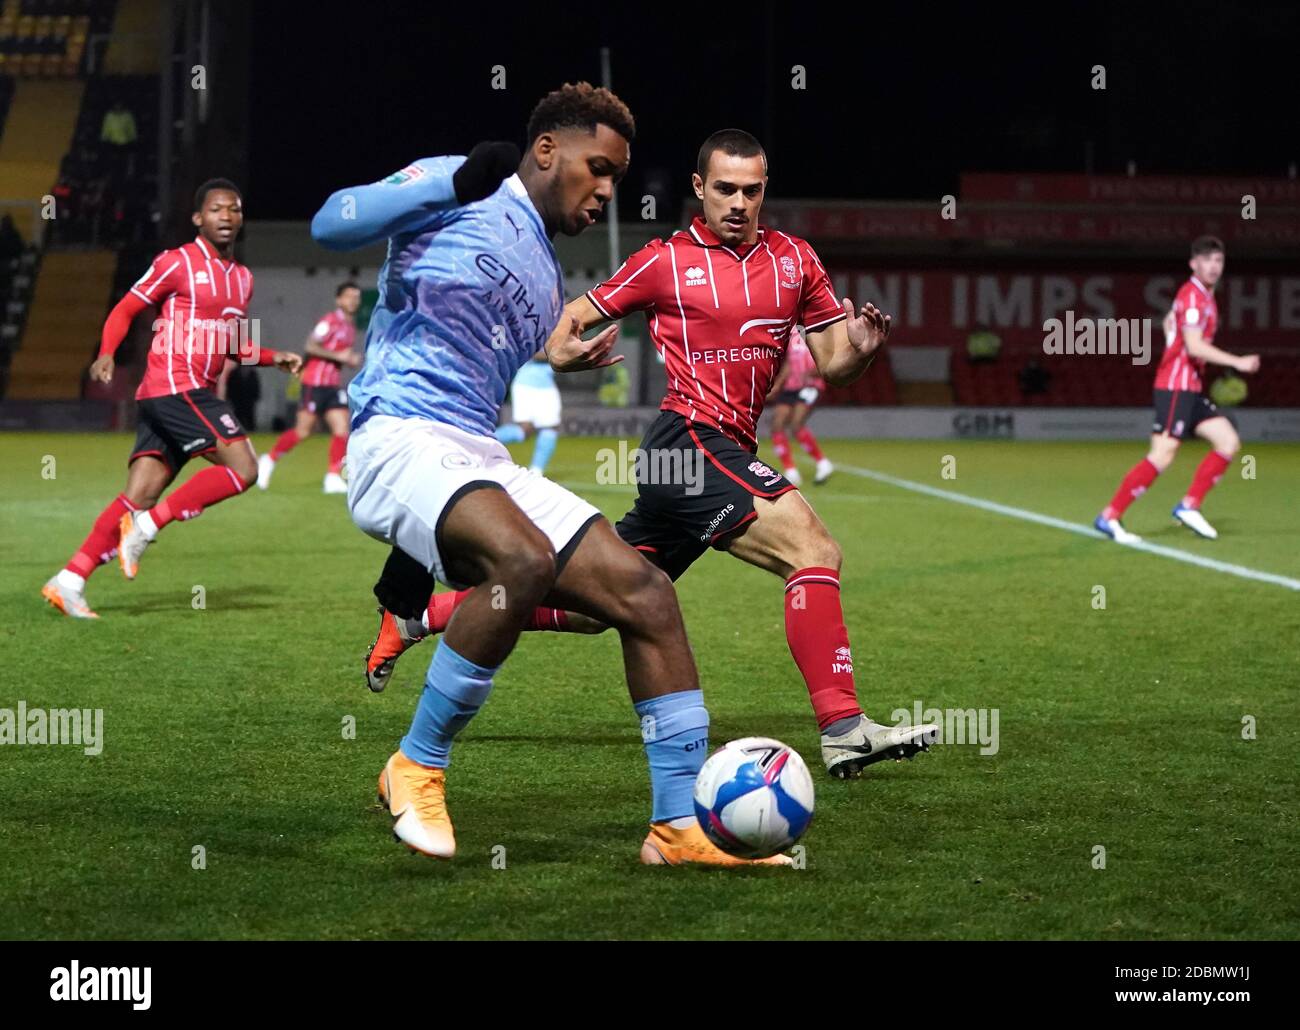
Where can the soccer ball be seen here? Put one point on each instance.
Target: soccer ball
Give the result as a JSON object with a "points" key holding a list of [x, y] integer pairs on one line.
{"points": [[754, 797]]}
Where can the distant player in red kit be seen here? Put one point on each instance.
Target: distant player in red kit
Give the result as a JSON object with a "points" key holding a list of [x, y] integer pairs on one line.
{"points": [[797, 387], [203, 295], [329, 347], [721, 298], [1181, 409]]}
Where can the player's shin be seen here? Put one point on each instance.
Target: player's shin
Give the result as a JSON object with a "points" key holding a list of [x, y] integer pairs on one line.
{"points": [[1135, 484], [781, 444], [101, 543], [454, 690], [675, 732], [338, 450], [544, 449], [1208, 474], [809, 443], [819, 642], [287, 441], [202, 490]]}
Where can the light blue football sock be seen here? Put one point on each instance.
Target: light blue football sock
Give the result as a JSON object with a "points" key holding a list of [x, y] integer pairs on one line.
{"points": [[543, 449], [511, 433], [675, 730], [454, 691]]}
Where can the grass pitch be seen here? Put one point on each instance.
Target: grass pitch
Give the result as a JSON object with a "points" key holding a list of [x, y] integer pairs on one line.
{"points": [[224, 725]]}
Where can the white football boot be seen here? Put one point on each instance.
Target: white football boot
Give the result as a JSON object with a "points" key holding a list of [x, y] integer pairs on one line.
{"points": [[824, 470], [848, 754], [265, 467], [1113, 529], [334, 484], [70, 601], [1195, 521], [792, 476], [132, 544]]}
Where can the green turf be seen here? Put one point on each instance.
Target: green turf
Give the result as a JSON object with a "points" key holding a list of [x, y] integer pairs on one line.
{"points": [[223, 726]]}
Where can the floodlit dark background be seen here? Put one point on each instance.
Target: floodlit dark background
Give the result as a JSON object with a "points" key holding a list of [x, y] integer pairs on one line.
{"points": [[1062, 193]]}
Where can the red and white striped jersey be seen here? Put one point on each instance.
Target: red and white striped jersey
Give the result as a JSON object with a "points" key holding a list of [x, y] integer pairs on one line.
{"points": [[1194, 308], [802, 368], [203, 305], [336, 333], [721, 317]]}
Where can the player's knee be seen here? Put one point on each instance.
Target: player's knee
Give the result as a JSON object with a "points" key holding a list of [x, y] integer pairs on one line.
{"points": [[645, 594], [1162, 457], [818, 549], [527, 570]]}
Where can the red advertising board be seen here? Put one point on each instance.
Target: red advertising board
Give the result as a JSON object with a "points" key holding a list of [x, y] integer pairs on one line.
{"points": [[942, 307]]}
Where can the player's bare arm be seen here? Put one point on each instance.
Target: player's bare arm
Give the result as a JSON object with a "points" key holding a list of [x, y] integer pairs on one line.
{"points": [[1202, 351], [567, 351], [845, 349]]}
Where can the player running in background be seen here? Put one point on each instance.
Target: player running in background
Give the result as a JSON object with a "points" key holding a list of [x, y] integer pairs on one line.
{"points": [[329, 348], [1181, 408], [534, 408], [203, 293], [794, 392], [469, 292], [721, 298]]}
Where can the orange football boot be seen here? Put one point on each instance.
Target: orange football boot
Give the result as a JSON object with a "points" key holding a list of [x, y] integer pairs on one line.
{"points": [[668, 845], [416, 797]]}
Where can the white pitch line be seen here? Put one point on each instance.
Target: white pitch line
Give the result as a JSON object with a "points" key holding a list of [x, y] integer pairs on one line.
{"points": [[1075, 527]]}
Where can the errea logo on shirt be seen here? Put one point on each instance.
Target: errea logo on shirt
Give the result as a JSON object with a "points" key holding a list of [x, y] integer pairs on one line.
{"points": [[201, 278], [695, 276]]}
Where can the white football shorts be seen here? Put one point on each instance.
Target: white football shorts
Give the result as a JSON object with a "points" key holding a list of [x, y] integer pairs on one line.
{"points": [[539, 405], [405, 473]]}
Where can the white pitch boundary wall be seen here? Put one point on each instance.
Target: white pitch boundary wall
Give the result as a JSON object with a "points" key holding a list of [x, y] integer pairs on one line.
{"points": [[948, 423]]}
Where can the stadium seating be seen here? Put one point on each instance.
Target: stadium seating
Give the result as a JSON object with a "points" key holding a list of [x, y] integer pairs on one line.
{"points": [[47, 38]]}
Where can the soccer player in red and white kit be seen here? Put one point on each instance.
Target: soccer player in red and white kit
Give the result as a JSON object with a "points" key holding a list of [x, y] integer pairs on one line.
{"points": [[329, 347], [203, 293], [1181, 409], [721, 298], [795, 390]]}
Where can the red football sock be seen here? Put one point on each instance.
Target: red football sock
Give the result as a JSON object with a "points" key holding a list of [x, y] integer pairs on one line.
{"points": [[781, 444], [814, 629], [809, 443], [1139, 477], [289, 439], [338, 448], [202, 490], [101, 543], [442, 605], [1208, 473]]}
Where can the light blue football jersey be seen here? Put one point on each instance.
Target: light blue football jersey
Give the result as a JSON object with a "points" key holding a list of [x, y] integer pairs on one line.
{"points": [[467, 295]]}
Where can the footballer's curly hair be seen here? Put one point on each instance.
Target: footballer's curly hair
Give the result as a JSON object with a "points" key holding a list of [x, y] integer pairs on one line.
{"points": [[580, 105]]}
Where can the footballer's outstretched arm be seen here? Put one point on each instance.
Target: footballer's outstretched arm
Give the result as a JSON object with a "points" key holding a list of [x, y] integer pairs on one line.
{"points": [[567, 351], [358, 215], [1202, 351], [845, 349]]}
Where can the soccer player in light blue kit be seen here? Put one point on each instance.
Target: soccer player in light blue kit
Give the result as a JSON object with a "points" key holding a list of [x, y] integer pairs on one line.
{"points": [[470, 291], [534, 407]]}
